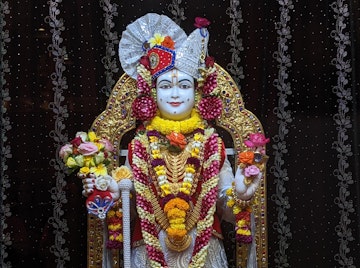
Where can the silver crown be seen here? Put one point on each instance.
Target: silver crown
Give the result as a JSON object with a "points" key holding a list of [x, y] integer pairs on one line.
{"points": [[190, 50]]}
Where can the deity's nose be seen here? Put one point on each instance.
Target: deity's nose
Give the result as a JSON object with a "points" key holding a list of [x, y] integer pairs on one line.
{"points": [[175, 92]]}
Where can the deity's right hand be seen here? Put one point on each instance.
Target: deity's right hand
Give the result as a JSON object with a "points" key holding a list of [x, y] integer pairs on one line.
{"points": [[103, 183], [88, 183]]}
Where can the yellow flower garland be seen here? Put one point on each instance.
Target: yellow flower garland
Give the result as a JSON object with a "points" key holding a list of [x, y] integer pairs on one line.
{"points": [[166, 126]]}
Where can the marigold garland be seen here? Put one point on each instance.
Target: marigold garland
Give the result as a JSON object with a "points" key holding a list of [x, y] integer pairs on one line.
{"points": [[165, 126], [242, 219], [114, 221]]}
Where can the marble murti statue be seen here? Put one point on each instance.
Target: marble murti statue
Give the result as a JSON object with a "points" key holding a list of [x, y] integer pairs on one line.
{"points": [[181, 183]]}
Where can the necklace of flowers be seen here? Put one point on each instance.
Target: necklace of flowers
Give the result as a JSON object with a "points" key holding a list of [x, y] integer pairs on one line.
{"points": [[148, 208], [187, 126]]}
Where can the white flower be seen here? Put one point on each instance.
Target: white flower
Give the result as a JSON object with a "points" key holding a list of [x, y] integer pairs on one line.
{"points": [[162, 179], [83, 135], [197, 144], [102, 182], [154, 146], [189, 177]]}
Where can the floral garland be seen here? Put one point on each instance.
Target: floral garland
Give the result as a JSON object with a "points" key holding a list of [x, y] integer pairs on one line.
{"points": [[205, 146], [114, 216], [114, 221], [210, 105], [251, 163], [186, 126]]}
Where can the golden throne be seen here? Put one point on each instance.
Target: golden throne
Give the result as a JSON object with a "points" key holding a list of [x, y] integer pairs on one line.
{"points": [[235, 124]]}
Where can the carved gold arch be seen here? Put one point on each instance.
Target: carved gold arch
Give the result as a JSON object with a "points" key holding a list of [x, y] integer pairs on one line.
{"points": [[116, 120]]}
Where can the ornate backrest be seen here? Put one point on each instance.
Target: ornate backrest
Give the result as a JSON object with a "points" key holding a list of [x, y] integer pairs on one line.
{"points": [[116, 121]]}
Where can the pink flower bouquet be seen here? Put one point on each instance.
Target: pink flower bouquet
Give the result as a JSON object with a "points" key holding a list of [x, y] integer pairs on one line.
{"points": [[87, 154]]}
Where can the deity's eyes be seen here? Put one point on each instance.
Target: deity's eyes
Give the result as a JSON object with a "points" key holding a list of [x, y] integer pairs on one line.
{"points": [[182, 84], [185, 84], [164, 84]]}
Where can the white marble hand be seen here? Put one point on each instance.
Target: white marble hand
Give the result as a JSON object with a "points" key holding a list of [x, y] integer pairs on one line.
{"points": [[91, 182], [243, 191]]}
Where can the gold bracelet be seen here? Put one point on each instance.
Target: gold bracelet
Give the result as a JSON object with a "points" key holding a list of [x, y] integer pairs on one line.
{"points": [[241, 203]]}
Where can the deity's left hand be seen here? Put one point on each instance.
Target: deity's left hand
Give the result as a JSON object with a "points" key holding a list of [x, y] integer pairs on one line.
{"points": [[246, 191]]}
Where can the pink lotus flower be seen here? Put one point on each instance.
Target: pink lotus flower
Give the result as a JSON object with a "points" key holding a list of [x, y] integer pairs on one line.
{"points": [[251, 171], [256, 140], [88, 148]]}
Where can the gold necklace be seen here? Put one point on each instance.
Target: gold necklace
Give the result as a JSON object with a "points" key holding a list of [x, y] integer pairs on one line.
{"points": [[175, 164]]}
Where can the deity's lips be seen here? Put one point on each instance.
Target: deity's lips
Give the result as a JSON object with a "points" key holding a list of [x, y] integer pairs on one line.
{"points": [[175, 104]]}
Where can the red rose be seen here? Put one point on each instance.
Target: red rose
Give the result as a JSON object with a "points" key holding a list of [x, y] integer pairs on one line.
{"points": [[201, 22], [76, 142]]}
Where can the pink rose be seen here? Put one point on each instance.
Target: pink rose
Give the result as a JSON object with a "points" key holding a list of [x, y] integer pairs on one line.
{"points": [[251, 171], [256, 139], [65, 151], [87, 148], [107, 144], [201, 22]]}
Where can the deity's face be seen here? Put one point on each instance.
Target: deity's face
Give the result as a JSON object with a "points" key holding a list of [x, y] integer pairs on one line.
{"points": [[175, 95]]}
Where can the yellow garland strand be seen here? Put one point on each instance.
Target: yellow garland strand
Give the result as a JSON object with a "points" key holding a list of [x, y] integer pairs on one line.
{"points": [[165, 126]]}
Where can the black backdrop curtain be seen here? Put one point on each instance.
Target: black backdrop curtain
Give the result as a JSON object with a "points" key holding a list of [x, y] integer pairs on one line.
{"points": [[296, 63]]}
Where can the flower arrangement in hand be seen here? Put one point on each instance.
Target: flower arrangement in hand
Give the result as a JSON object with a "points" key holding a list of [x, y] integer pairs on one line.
{"points": [[252, 163], [89, 155]]}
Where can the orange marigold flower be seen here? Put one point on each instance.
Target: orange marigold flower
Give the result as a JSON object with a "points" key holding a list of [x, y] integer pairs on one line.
{"points": [[246, 157], [176, 203], [176, 213], [177, 139], [176, 233], [168, 42]]}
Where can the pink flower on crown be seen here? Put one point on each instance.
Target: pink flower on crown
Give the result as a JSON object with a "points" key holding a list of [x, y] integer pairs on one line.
{"points": [[201, 22]]}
